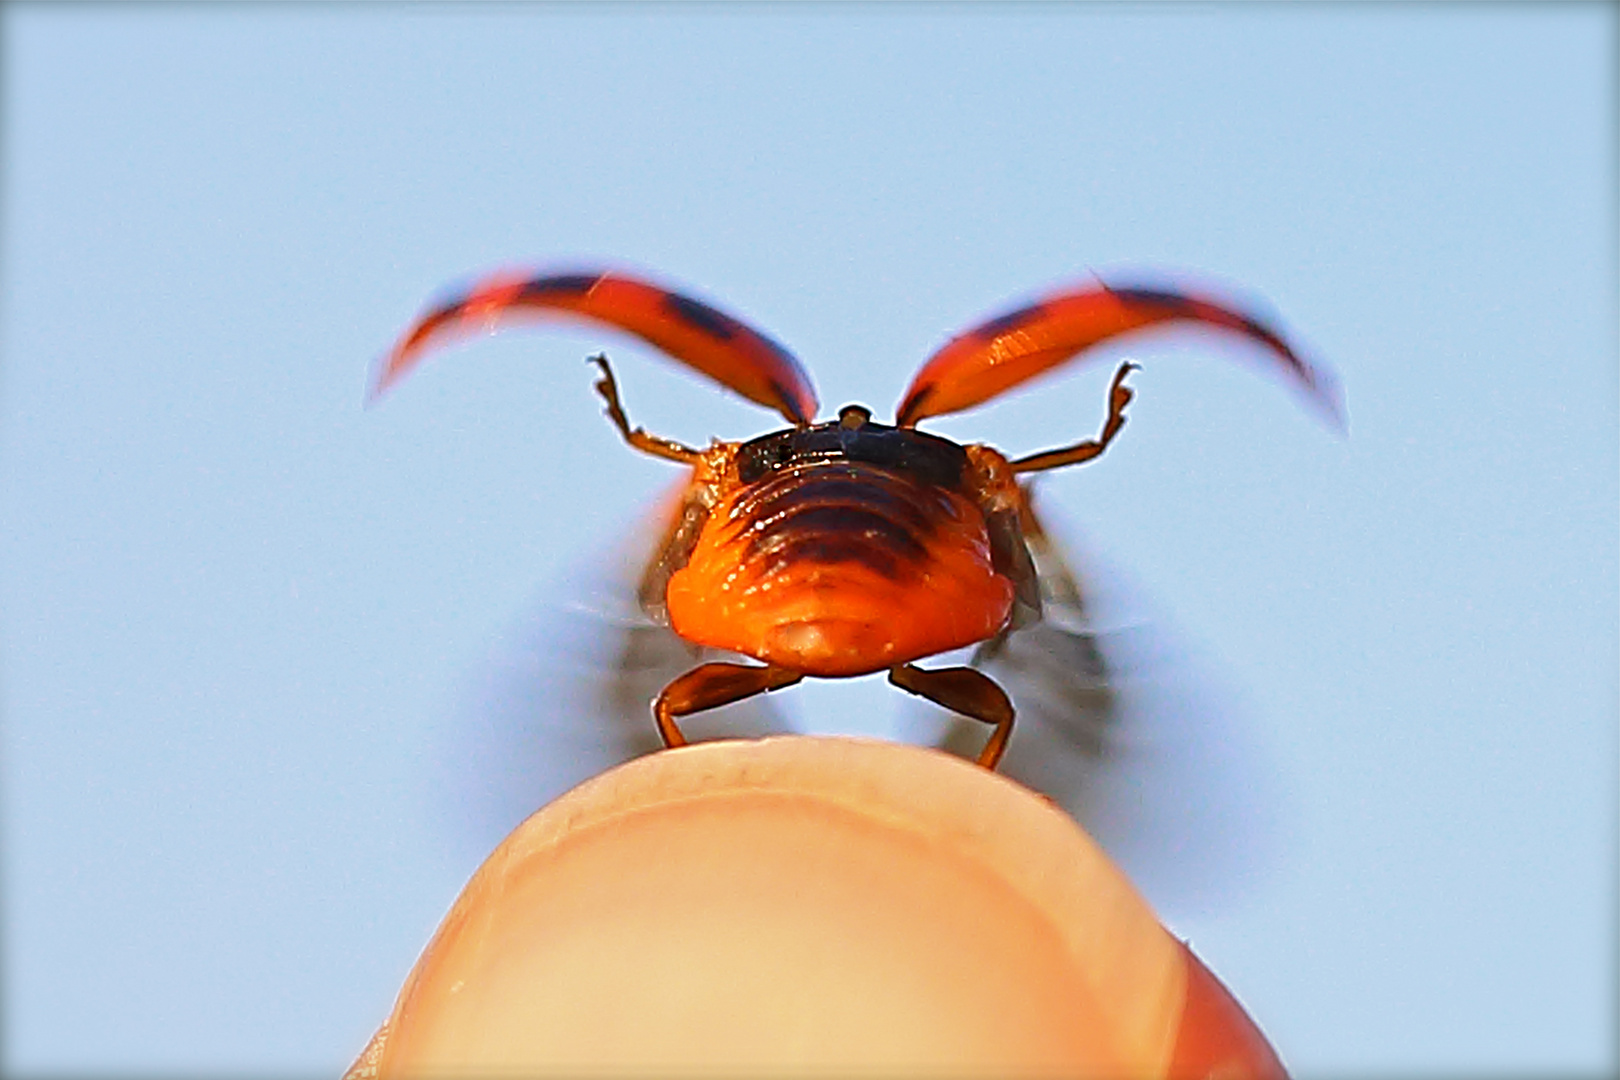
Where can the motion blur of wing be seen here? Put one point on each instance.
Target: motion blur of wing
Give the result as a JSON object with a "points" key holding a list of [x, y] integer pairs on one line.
{"points": [[1123, 726], [1132, 734], [566, 693]]}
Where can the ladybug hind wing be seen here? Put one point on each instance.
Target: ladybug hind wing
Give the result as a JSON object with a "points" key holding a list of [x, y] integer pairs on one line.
{"points": [[1135, 734], [566, 693], [1058, 676]]}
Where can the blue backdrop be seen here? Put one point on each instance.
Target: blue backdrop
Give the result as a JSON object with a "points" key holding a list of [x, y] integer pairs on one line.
{"points": [[246, 622]]}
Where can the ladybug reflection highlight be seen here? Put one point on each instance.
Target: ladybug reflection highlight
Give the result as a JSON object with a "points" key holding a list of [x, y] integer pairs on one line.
{"points": [[849, 546]]}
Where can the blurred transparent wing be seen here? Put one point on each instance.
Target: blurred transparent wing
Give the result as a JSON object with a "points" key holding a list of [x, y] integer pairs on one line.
{"points": [[1128, 731], [565, 693]]}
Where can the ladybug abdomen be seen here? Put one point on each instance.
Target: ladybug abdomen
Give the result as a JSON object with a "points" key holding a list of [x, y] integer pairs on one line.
{"points": [[840, 567]]}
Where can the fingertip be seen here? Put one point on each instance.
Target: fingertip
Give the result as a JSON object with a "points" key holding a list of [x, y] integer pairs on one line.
{"points": [[799, 904]]}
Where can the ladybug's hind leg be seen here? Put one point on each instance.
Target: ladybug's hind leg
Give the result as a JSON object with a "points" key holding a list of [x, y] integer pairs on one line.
{"points": [[969, 692], [710, 686], [608, 387]]}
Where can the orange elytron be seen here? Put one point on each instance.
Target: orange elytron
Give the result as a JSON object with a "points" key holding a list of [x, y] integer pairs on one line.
{"points": [[846, 547]]}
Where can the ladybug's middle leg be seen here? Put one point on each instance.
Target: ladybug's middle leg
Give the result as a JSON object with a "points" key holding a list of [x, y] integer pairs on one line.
{"points": [[969, 692], [710, 686], [608, 387]]}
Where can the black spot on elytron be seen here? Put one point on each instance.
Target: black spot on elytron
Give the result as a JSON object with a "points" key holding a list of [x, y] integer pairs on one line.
{"points": [[558, 285], [780, 351], [789, 403], [450, 310], [1266, 334], [695, 313], [1147, 296], [912, 405], [1012, 320], [1187, 306]]}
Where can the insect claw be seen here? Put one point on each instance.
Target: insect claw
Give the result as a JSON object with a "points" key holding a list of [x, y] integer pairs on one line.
{"points": [[607, 388]]}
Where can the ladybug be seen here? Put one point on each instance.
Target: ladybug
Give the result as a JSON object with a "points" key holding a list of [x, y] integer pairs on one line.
{"points": [[847, 546]]}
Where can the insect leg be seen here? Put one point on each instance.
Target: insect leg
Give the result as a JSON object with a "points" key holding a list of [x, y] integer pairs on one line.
{"points": [[710, 686], [963, 690], [1119, 395], [608, 387]]}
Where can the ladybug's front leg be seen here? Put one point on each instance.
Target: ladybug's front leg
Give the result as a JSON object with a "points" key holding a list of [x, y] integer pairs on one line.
{"points": [[710, 686], [969, 692], [1119, 396], [608, 387]]}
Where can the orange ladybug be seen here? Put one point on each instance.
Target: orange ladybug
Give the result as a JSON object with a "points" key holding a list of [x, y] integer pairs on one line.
{"points": [[848, 546]]}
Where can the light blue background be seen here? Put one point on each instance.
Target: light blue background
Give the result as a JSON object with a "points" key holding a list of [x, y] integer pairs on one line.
{"points": [[241, 614]]}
